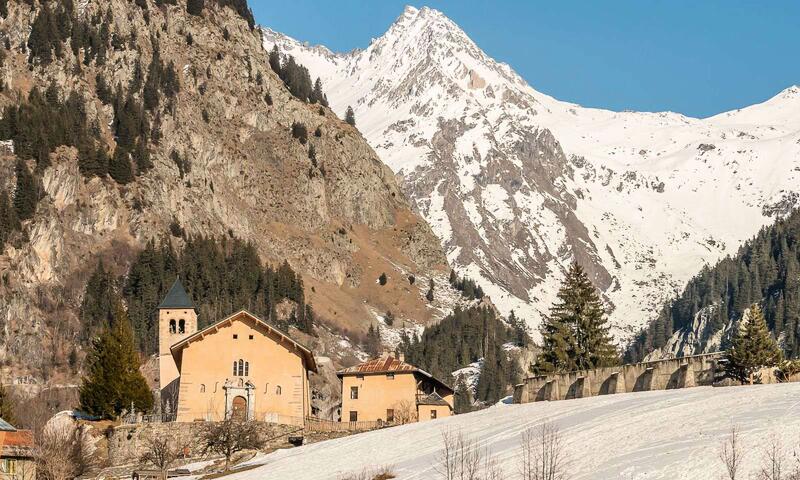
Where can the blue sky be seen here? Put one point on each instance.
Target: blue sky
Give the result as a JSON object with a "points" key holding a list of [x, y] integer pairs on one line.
{"points": [[694, 57]]}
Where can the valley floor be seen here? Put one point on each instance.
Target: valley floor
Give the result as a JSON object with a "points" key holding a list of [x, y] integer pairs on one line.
{"points": [[674, 434]]}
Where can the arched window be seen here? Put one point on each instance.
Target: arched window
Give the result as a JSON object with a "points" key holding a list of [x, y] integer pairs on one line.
{"points": [[246, 369], [172, 326], [278, 390], [202, 388], [241, 367], [181, 326], [235, 370]]}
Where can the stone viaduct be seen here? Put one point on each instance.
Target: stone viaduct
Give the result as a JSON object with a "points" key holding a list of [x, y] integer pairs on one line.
{"points": [[684, 372]]}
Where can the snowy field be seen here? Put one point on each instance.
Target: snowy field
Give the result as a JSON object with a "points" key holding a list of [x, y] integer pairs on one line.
{"points": [[673, 434]]}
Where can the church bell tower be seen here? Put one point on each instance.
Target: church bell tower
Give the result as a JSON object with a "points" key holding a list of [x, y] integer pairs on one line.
{"points": [[177, 319]]}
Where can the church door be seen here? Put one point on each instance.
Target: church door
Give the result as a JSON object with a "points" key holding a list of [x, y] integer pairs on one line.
{"points": [[239, 409]]}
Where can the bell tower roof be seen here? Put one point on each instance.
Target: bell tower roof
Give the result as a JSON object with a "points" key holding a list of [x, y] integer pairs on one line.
{"points": [[176, 297]]}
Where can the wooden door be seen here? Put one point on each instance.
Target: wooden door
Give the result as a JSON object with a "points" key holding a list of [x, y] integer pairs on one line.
{"points": [[239, 408]]}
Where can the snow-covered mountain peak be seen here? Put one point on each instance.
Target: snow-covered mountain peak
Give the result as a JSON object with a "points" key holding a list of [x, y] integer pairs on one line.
{"points": [[518, 184]]}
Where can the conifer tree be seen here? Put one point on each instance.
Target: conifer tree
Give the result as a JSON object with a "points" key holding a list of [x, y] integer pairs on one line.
{"points": [[350, 116], [8, 219], [574, 334], [114, 382], [462, 399], [195, 7], [120, 167], [753, 348], [26, 193], [6, 407], [275, 60]]}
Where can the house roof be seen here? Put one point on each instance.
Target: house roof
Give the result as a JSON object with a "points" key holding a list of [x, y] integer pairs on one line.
{"points": [[432, 399], [6, 427], [177, 297], [16, 443], [389, 364], [305, 352]]}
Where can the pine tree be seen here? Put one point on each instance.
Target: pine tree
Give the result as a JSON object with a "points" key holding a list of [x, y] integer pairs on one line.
{"points": [[753, 348], [429, 295], [120, 167], [114, 382], [26, 193], [462, 399], [8, 219], [6, 407], [575, 335], [195, 7], [350, 116]]}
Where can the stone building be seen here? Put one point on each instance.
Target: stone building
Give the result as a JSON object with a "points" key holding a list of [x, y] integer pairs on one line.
{"points": [[240, 366], [16, 453], [389, 390]]}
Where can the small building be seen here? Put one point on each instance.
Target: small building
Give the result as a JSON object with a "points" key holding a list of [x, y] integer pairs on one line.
{"points": [[388, 389], [240, 366], [16, 453]]}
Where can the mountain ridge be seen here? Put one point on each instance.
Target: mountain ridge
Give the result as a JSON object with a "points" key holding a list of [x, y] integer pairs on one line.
{"points": [[517, 184]]}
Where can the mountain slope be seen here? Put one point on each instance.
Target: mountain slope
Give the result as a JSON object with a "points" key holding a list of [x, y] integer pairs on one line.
{"points": [[669, 435], [224, 163], [517, 184]]}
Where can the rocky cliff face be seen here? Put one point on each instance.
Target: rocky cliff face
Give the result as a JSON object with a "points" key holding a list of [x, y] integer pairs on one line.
{"points": [[517, 184], [341, 221]]}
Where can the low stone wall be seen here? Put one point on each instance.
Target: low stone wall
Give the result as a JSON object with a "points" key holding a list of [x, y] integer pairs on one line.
{"points": [[127, 443], [666, 374]]}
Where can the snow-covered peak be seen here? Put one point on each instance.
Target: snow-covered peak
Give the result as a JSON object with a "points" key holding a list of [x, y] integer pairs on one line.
{"points": [[518, 184]]}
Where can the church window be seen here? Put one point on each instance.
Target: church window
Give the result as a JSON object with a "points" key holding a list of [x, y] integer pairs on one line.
{"points": [[181, 326], [202, 388], [278, 390], [251, 337], [172, 326], [235, 336], [241, 368]]}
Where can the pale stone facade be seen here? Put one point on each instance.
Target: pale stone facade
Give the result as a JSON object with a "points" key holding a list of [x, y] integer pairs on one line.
{"points": [[389, 390], [238, 367]]}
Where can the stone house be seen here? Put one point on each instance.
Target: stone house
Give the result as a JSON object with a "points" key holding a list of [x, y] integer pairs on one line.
{"points": [[240, 367], [387, 389], [16, 453]]}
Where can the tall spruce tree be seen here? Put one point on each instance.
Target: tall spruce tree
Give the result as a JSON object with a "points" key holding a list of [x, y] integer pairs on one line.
{"points": [[350, 116], [114, 382], [26, 193], [575, 334], [462, 399], [753, 348], [6, 407]]}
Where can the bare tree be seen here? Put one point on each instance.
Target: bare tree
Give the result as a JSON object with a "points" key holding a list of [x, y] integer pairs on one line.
{"points": [[63, 451], [161, 452], [544, 456], [230, 437], [405, 412], [461, 458], [731, 454]]}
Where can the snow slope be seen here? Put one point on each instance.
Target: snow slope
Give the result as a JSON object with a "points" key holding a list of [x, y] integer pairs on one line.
{"points": [[670, 435], [517, 184]]}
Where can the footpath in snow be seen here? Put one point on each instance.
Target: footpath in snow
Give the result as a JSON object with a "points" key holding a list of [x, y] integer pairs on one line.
{"points": [[673, 434]]}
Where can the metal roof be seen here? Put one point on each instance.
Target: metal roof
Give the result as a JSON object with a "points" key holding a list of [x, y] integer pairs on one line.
{"points": [[177, 297], [6, 427], [388, 364]]}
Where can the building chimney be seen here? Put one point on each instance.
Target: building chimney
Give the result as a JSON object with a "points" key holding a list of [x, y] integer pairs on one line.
{"points": [[401, 357]]}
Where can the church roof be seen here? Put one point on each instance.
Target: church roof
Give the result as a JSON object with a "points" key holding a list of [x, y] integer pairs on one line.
{"points": [[177, 297], [303, 351]]}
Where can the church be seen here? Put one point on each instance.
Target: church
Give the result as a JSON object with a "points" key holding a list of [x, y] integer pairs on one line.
{"points": [[239, 367]]}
